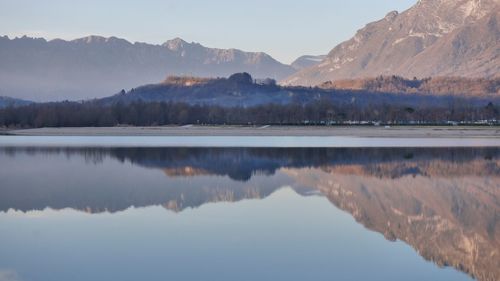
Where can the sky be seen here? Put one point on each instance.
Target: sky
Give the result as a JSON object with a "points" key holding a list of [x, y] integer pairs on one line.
{"points": [[284, 29]]}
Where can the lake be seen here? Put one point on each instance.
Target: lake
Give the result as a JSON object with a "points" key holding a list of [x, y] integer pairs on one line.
{"points": [[249, 213]]}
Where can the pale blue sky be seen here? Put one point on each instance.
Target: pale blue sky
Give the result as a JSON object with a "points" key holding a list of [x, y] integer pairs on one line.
{"points": [[284, 29]]}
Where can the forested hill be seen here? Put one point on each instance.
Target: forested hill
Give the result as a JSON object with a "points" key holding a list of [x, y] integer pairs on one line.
{"points": [[242, 90], [240, 99], [470, 87]]}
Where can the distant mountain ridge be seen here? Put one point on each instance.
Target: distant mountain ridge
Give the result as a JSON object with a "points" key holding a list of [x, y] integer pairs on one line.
{"points": [[433, 38], [95, 66], [8, 101], [307, 61]]}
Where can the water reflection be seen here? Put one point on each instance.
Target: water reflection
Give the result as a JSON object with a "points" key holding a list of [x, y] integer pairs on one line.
{"points": [[445, 203]]}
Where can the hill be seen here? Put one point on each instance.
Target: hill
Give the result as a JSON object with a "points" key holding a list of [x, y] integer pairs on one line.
{"points": [[470, 87], [241, 100], [241, 89]]}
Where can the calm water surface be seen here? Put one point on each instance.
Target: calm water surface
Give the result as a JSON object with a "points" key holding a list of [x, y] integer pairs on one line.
{"points": [[240, 141], [249, 213]]}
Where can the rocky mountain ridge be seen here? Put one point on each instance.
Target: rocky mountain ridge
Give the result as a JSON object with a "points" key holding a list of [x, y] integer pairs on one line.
{"points": [[432, 38]]}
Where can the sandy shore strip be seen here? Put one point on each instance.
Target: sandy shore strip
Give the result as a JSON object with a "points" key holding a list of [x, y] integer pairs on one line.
{"points": [[274, 131]]}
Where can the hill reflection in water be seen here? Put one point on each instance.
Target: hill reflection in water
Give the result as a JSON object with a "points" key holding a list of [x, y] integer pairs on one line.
{"points": [[445, 203]]}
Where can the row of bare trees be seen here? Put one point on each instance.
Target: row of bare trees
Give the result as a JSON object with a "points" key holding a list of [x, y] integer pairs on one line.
{"points": [[72, 114]]}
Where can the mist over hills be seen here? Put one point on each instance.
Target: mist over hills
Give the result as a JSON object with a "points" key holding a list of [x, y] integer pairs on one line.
{"points": [[94, 66], [433, 38]]}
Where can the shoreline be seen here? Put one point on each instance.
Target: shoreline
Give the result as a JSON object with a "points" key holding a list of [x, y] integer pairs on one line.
{"points": [[268, 131]]}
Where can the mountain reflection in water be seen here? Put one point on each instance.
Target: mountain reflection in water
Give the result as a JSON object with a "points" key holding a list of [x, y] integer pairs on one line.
{"points": [[445, 203]]}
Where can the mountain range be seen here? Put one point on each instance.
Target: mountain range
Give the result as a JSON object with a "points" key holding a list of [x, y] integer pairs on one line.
{"points": [[432, 38], [92, 67]]}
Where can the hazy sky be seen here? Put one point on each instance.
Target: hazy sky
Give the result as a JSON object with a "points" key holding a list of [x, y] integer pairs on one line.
{"points": [[285, 29]]}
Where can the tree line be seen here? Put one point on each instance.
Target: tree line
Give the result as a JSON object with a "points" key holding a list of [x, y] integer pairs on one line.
{"points": [[438, 86], [322, 112]]}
